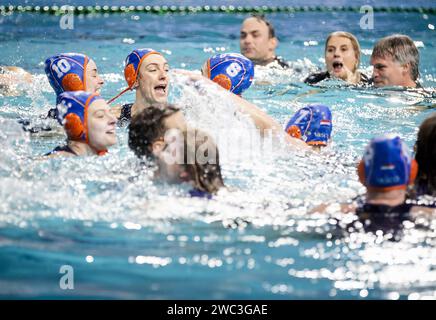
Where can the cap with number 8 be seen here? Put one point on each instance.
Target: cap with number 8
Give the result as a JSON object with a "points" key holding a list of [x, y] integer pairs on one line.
{"points": [[231, 71]]}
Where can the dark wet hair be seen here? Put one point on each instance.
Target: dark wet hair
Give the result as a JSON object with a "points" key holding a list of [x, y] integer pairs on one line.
{"points": [[426, 156], [262, 18], [206, 175], [147, 127]]}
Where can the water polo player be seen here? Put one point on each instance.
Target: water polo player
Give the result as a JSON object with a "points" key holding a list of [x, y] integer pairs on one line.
{"points": [[88, 123], [146, 72], [72, 72]]}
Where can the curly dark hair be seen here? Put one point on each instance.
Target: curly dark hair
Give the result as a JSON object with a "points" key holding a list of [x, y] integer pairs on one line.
{"points": [[147, 127]]}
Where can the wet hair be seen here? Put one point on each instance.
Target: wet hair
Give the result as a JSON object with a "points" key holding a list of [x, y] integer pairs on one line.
{"points": [[147, 127], [262, 18], [351, 37], [426, 156], [204, 172], [401, 49]]}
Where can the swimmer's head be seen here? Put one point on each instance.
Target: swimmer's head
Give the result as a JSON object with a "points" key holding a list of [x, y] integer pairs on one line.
{"points": [[257, 39], [73, 72], [387, 165], [149, 127], [312, 124], [395, 61], [146, 71], [232, 71], [86, 117]]}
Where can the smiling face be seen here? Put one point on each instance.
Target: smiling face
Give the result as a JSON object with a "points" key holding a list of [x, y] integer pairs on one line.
{"points": [[153, 79], [101, 126], [387, 72], [255, 41], [340, 56], [93, 80]]}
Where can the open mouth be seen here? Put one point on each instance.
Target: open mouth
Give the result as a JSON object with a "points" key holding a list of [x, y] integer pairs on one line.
{"points": [[337, 66], [112, 131], [161, 89]]}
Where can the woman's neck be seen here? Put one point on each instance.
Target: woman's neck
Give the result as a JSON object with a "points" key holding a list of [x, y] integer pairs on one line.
{"points": [[140, 104], [390, 198], [81, 148]]}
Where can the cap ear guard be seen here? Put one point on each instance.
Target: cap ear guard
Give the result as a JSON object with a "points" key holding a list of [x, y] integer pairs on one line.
{"points": [[413, 171], [130, 75], [294, 131], [74, 127], [224, 81], [72, 82]]}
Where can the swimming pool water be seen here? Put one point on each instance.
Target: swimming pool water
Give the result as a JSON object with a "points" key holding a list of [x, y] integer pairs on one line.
{"points": [[129, 237]]}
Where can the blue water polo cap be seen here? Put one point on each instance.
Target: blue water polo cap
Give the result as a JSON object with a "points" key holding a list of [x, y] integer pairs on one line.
{"points": [[312, 124], [66, 72], [73, 113], [387, 164], [133, 63], [232, 71]]}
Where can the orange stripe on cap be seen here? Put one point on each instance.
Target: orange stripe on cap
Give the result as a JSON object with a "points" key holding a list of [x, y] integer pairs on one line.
{"points": [[118, 95], [85, 125], [85, 65]]}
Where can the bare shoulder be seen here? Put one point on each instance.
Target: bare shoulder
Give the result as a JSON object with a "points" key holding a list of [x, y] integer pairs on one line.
{"points": [[334, 208], [116, 110], [59, 154]]}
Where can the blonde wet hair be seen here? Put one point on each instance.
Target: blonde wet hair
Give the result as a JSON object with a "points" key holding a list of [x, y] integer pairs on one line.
{"points": [[354, 43]]}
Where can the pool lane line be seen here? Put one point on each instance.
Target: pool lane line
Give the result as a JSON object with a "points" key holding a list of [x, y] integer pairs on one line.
{"points": [[58, 10]]}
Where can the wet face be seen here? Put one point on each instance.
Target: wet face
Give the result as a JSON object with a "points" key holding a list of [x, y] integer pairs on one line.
{"points": [[255, 42], [169, 156], [387, 72], [153, 79], [340, 57], [176, 121], [101, 126], [169, 150], [93, 80]]}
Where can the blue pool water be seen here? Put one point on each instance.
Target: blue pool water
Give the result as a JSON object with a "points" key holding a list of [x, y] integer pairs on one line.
{"points": [[128, 237]]}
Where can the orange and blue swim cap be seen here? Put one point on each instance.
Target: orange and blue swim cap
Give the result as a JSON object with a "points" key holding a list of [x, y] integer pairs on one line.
{"points": [[73, 113], [232, 71], [133, 64], [387, 164], [312, 124], [66, 72]]}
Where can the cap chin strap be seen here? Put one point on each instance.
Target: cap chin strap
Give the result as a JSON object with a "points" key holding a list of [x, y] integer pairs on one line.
{"points": [[118, 95]]}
